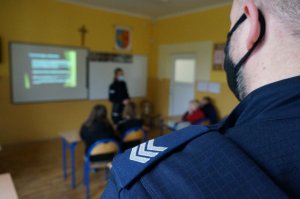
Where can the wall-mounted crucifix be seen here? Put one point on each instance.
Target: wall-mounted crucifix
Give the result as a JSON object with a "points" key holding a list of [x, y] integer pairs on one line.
{"points": [[83, 31]]}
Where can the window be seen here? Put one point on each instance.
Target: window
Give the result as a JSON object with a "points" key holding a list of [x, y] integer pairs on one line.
{"points": [[185, 71]]}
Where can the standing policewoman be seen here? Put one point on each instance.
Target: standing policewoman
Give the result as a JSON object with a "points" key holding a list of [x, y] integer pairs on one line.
{"points": [[118, 95]]}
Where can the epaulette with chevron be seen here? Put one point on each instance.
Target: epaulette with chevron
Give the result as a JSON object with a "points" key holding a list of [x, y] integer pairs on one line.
{"points": [[128, 166], [144, 152]]}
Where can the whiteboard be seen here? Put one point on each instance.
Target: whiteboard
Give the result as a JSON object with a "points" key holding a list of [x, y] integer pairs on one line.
{"points": [[101, 76]]}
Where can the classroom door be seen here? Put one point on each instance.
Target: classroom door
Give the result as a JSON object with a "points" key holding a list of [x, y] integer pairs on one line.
{"points": [[182, 83]]}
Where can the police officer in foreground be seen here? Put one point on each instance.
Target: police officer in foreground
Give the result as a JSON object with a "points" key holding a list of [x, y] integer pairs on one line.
{"points": [[255, 153], [118, 95]]}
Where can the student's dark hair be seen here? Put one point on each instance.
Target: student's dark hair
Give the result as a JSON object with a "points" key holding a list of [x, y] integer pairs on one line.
{"points": [[130, 110], [117, 70], [208, 99], [98, 114]]}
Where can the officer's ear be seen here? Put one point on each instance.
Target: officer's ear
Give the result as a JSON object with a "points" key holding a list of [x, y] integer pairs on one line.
{"points": [[251, 10]]}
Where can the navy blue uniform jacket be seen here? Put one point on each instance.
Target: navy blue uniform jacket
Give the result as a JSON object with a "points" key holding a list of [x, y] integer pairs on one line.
{"points": [[254, 153]]}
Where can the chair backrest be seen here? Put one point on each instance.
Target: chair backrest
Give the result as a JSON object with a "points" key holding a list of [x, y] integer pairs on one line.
{"points": [[104, 146], [204, 122], [134, 134]]}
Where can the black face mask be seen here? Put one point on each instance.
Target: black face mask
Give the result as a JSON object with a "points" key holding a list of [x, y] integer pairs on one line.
{"points": [[231, 69]]}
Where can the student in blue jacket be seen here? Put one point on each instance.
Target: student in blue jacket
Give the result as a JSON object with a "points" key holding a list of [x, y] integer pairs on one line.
{"points": [[255, 152]]}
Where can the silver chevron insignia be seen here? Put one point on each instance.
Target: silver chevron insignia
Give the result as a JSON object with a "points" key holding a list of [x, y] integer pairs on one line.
{"points": [[144, 152]]}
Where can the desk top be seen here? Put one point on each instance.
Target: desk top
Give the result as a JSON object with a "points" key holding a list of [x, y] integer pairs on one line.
{"points": [[71, 136], [173, 118], [7, 187]]}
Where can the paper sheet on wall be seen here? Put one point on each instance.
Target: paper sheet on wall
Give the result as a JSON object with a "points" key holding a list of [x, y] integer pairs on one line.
{"points": [[203, 86], [214, 88]]}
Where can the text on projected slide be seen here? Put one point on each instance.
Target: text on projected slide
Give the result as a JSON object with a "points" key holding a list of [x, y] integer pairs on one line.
{"points": [[52, 69]]}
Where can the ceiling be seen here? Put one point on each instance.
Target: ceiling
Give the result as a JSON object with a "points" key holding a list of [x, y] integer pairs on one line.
{"points": [[151, 8]]}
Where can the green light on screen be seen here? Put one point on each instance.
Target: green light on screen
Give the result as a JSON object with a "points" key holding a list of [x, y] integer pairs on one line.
{"points": [[27, 81], [72, 58]]}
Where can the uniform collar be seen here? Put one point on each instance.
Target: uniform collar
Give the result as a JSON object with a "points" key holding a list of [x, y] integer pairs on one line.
{"points": [[274, 101]]}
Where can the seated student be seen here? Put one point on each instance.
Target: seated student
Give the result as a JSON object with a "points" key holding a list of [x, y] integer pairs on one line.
{"points": [[97, 127], [194, 114], [129, 122], [210, 111], [129, 119]]}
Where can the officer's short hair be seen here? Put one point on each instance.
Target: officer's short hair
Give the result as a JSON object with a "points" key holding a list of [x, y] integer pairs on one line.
{"points": [[288, 12]]}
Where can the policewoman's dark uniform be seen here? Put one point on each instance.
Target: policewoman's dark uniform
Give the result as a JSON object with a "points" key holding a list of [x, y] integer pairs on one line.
{"points": [[118, 92], [254, 153]]}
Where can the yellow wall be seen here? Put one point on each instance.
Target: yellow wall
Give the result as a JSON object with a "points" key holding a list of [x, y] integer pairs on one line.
{"points": [[53, 22], [210, 25]]}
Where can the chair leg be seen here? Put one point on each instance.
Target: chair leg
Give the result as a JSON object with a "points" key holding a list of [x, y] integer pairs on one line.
{"points": [[86, 176], [73, 162], [87, 187], [145, 137], [107, 173], [64, 161]]}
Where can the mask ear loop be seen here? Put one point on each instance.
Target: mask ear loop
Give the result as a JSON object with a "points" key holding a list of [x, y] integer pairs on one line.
{"points": [[237, 24], [261, 36], [226, 50]]}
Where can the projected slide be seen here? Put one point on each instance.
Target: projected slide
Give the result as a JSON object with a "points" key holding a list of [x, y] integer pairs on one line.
{"points": [[48, 73], [52, 69]]}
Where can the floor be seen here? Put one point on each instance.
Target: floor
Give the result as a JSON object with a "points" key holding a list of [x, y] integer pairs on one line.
{"points": [[36, 169]]}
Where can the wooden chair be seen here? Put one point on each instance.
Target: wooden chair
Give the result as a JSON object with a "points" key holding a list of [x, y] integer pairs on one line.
{"points": [[101, 147], [132, 137]]}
